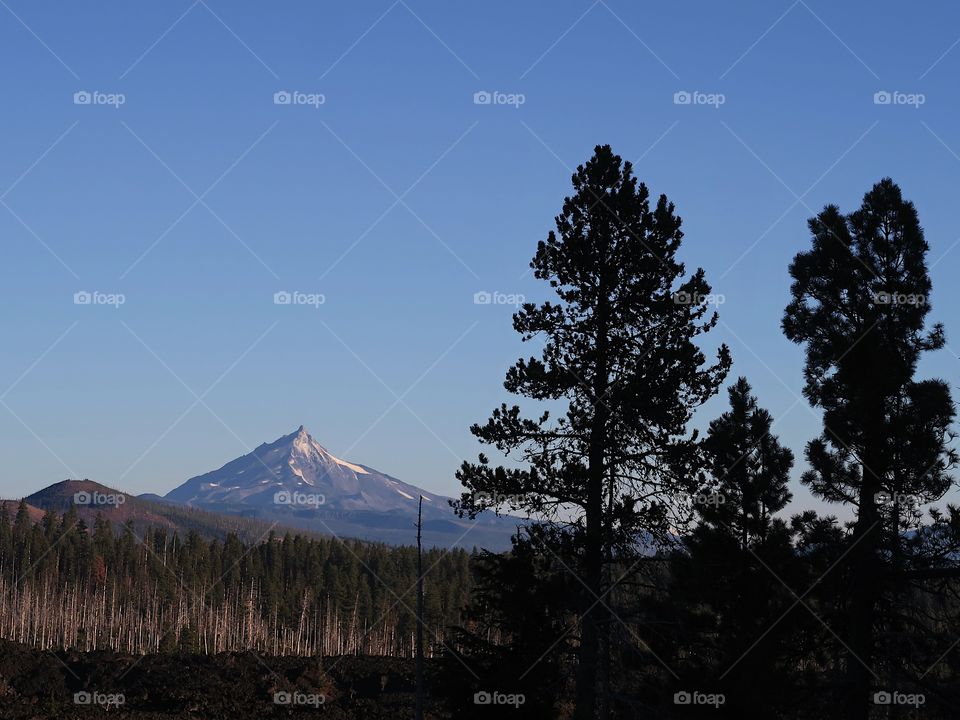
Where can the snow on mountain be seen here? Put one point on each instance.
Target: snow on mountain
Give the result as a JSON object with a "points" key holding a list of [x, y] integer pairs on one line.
{"points": [[299, 472]]}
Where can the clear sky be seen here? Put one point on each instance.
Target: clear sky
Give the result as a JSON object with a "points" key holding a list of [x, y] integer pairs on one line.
{"points": [[182, 186]]}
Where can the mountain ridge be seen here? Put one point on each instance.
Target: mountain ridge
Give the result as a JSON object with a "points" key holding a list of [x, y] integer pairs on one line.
{"points": [[91, 500], [292, 484]]}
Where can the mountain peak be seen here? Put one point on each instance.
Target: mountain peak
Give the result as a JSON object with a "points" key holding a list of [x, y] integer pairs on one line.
{"points": [[294, 463], [301, 433], [296, 480]]}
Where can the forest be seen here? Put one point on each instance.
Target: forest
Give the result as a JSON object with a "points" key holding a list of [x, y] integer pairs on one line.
{"points": [[66, 585], [668, 574]]}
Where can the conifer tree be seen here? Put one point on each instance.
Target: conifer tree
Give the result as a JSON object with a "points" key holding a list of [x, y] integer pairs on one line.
{"points": [[620, 356], [860, 298], [726, 580]]}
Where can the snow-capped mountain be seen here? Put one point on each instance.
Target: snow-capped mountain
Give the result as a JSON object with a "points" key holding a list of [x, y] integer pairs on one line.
{"points": [[297, 481], [297, 465]]}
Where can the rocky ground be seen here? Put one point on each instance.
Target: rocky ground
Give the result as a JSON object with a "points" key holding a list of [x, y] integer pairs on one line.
{"points": [[36, 684]]}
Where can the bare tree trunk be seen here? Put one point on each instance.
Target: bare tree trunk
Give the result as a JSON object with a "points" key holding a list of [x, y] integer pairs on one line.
{"points": [[419, 707]]}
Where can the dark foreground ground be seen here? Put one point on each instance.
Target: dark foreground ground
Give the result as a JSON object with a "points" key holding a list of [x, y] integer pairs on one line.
{"points": [[36, 684]]}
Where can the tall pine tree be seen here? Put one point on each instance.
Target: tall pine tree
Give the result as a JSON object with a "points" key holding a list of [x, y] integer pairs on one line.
{"points": [[621, 357], [859, 306]]}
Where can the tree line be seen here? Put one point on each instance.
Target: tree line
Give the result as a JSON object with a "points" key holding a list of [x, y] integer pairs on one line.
{"points": [[66, 585], [666, 575]]}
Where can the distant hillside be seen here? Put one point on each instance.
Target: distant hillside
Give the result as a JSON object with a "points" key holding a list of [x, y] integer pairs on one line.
{"points": [[34, 513], [92, 499]]}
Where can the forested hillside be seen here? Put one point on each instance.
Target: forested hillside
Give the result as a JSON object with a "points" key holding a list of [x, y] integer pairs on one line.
{"points": [[64, 584]]}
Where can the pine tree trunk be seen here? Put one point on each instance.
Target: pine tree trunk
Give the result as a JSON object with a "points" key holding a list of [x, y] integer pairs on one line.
{"points": [[864, 591], [419, 707], [594, 612]]}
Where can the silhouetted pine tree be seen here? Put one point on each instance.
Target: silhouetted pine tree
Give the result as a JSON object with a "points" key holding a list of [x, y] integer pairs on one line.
{"points": [[620, 352], [728, 579], [860, 297], [518, 609]]}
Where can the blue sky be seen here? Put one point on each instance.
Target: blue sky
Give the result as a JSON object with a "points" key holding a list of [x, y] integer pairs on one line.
{"points": [[398, 198]]}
